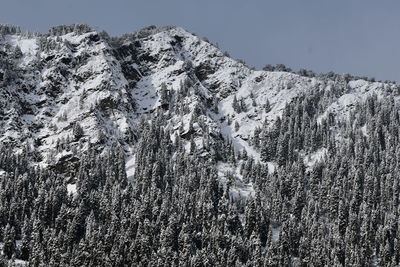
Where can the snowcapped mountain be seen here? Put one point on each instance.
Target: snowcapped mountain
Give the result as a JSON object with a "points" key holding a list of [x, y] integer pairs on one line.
{"points": [[157, 149], [75, 87]]}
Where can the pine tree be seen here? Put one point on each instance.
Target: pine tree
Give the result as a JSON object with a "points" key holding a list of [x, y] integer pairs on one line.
{"points": [[17, 53], [236, 105], [237, 126], [9, 241], [77, 131], [267, 106]]}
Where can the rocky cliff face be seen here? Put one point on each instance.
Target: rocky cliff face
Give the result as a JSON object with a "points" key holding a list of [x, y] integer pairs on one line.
{"points": [[74, 87]]}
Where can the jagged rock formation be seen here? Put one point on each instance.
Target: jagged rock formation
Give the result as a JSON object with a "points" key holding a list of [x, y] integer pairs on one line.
{"points": [[77, 77]]}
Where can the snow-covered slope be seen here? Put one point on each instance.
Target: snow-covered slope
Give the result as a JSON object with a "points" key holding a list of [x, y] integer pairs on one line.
{"points": [[76, 78]]}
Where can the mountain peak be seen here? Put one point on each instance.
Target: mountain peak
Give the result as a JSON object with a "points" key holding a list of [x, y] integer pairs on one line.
{"points": [[74, 75]]}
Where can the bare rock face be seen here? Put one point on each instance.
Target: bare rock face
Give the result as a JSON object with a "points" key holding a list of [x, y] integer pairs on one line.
{"points": [[74, 87]]}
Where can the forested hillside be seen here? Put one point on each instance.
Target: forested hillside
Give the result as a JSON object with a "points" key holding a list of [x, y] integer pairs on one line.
{"points": [[157, 149]]}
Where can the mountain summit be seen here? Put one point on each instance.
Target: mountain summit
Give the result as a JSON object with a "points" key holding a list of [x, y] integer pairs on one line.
{"points": [[76, 87]]}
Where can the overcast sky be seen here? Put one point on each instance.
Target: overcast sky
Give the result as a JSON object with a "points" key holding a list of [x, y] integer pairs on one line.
{"points": [[360, 37]]}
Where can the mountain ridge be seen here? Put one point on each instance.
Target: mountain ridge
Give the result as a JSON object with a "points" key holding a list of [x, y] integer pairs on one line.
{"points": [[113, 81]]}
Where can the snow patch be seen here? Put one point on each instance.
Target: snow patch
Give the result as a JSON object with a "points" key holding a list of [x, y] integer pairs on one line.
{"points": [[28, 46], [228, 173], [364, 130], [71, 188], [275, 233], [358, 92], [315, 157], [130, 165]]}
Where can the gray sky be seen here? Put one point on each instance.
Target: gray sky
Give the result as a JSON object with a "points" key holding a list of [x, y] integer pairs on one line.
{"points": [[360, 37]]}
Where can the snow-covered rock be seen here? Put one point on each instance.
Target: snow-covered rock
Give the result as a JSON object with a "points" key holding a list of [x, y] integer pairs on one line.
{"points": [[75, 77]]}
